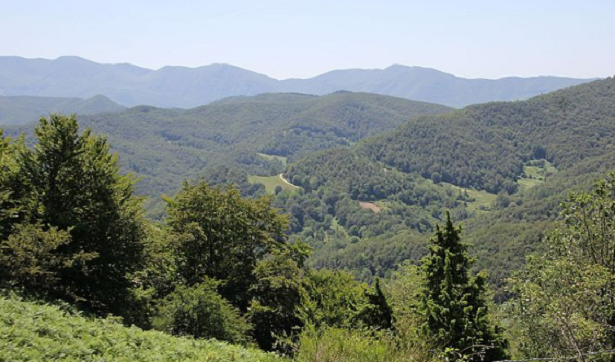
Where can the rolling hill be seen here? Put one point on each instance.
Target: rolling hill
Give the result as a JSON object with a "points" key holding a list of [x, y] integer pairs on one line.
{"points": [[163, 146], [24, 109], [486, 146], [190, 87], [501, 168]]}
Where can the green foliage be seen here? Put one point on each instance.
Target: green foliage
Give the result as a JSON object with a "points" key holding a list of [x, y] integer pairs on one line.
{"points": [[29, 259], [332, 298], [563, 302], [164, 146], [34, 332], [405, 290], [222, 236], [378, 313], [456, 312], [75, 187], [201, 312], [225, 175], [344, 345], [277, 295], [273, 184], [486, 146], [16, 201]]}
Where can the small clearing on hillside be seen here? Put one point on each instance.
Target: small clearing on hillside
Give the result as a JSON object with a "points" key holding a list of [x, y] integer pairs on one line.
{"points": [[271, 182]]}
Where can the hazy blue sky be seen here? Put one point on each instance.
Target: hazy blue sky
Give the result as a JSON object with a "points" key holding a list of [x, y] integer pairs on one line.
{"points": [[301, 38]]}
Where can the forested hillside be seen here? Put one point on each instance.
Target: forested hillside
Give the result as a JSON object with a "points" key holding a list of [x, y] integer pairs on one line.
{"points": [[163, 146], [503, 168], [486, 146], [298, 274], [27, 109]]}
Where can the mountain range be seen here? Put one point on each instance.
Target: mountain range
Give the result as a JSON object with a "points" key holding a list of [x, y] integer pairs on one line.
{"points": [[24, 109], [182, 87]]}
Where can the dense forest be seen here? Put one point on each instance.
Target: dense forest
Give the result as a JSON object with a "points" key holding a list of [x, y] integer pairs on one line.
{"points": [[482, 234], [501, 168], [162, 146]]}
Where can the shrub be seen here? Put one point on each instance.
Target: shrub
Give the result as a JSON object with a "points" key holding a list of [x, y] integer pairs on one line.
{"points": [[201, 312]]}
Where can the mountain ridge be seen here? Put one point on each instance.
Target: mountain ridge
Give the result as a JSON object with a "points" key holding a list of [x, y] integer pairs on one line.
{"points": [[186, 87], [16, 110]]}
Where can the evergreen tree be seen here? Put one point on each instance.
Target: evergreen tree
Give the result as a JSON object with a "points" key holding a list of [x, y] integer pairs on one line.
{"points": [[77, 188], [16, 201], [456, 312], [378, 313]]}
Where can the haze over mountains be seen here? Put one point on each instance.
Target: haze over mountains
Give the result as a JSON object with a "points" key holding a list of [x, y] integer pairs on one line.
{"points": [[184, 87], [24, 109]]}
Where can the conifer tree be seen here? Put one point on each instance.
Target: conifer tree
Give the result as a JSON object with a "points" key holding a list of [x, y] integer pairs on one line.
{"points": [[378, 313], [77, 187], [453, 302]]}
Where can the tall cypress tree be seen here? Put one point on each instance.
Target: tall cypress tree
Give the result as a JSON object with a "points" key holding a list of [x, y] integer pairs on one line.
{"points": [[453, 302]]}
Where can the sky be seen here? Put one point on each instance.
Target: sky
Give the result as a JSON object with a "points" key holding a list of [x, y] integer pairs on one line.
{"points": [[301, 38]]}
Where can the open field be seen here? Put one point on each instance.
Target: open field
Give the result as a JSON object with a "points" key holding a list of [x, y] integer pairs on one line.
{"points": [[271, 182], [535, 173], [482, 199]]}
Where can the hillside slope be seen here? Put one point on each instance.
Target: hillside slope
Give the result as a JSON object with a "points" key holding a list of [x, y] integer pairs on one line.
{"points": [[34, 332], [190, 87], [163, 146], [486, 146], [501, 168], [24, 109]]}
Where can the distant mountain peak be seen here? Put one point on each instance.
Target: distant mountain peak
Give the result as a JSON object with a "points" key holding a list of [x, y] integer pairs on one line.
{"points": [[178, 86]]}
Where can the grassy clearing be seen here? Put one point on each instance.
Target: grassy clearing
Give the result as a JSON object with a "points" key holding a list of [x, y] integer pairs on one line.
{"points": [[271, 182], [34, 332], [282, 159], [535, 173], [482, 199]]}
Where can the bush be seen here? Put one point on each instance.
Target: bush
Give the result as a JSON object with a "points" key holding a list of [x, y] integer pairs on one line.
{"points": [[201, 312], [343, 345]]}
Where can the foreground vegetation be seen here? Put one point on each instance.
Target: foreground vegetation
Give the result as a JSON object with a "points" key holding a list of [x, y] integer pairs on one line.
{"points": [[224, 263], [35, 332], [219, 267]]}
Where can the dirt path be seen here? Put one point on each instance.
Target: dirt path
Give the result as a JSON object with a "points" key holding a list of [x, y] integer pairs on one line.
{"points": [[281, 176], [370, 206]]}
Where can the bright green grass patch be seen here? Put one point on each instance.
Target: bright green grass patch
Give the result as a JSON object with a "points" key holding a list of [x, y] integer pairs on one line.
{"points": [[282, 159], [271, 182], [482, 199], [535, 173], [526, 183], [34, 332]]}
